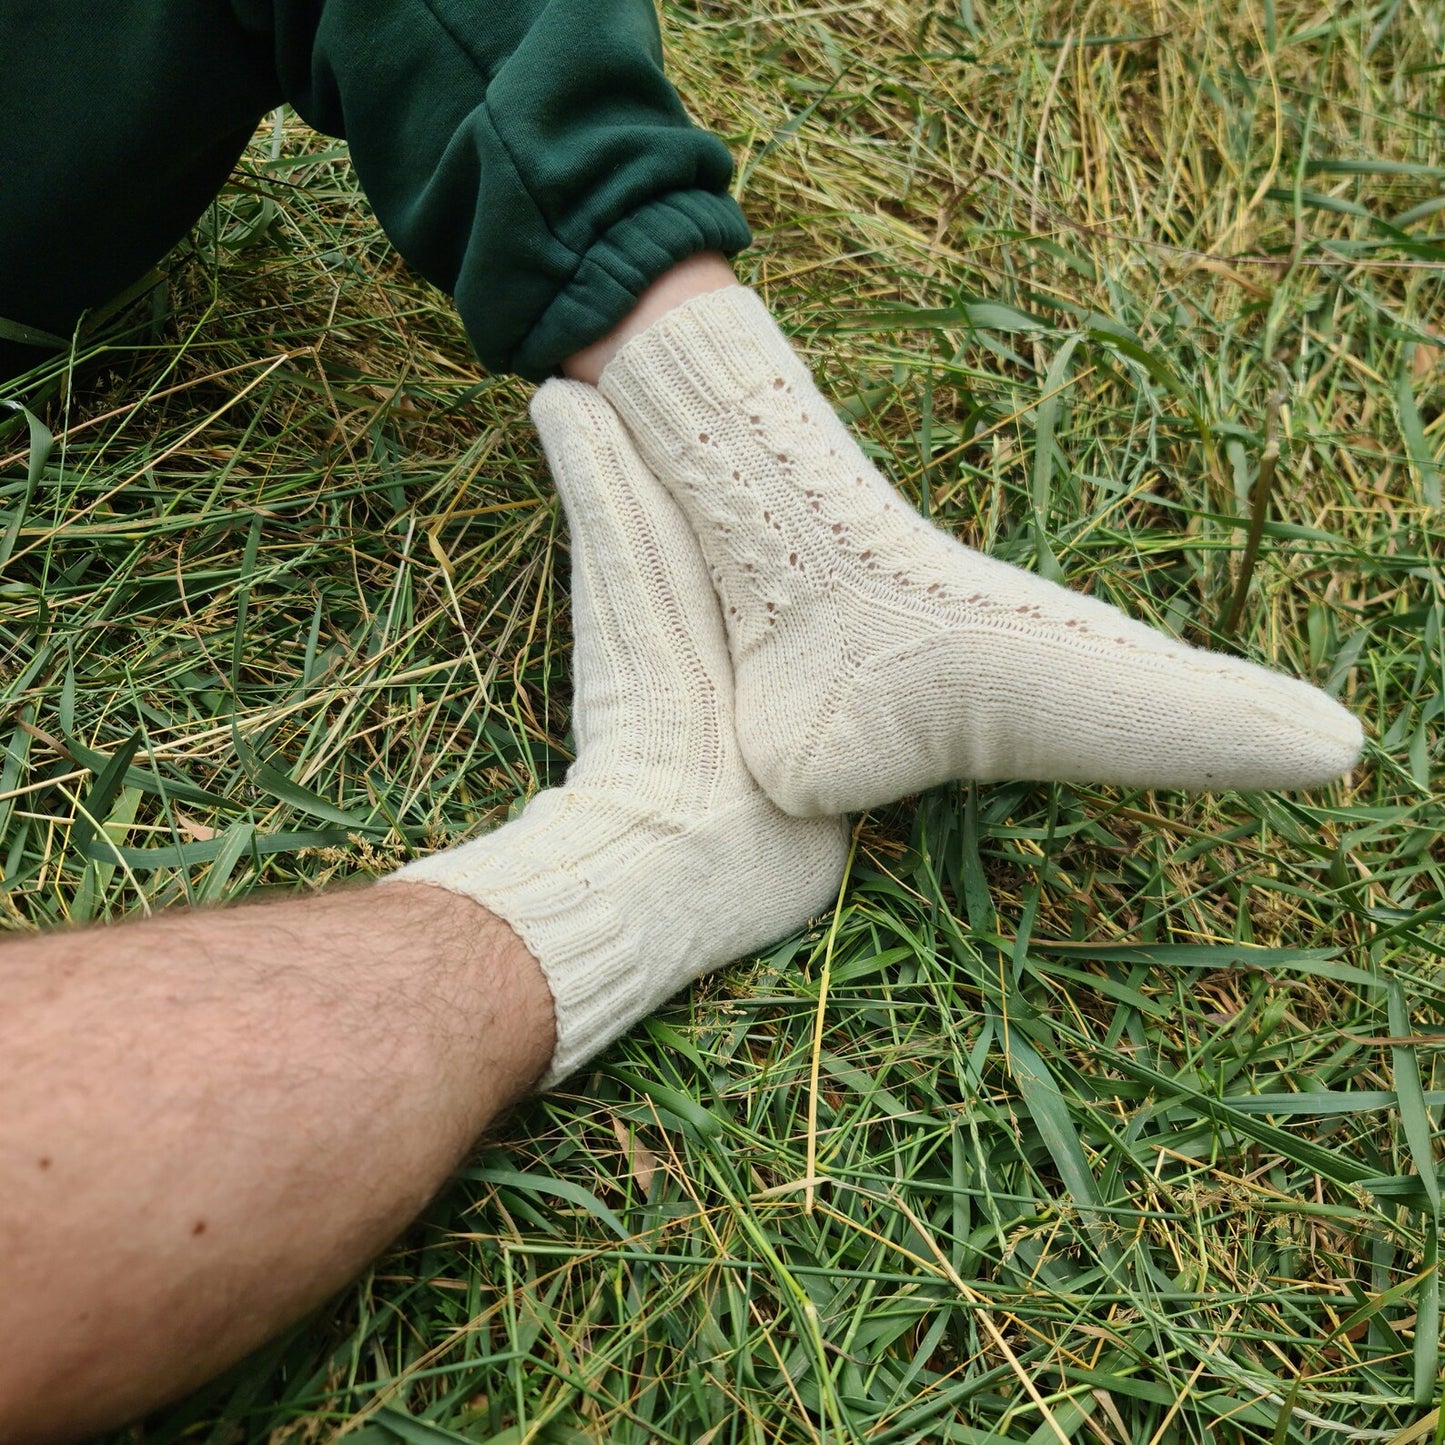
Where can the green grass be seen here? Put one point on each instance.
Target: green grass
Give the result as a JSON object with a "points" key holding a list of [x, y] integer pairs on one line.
{"points": [[1125, 1114]]}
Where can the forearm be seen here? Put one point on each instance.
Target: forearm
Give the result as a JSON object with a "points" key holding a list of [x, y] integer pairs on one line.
{"points": [[211, 1120]]}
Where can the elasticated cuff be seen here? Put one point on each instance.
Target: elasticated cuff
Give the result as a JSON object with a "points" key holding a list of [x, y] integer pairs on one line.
{"points": [[619, 266]]}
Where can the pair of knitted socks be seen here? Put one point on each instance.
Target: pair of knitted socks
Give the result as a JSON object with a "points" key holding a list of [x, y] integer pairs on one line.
{"points": [[859, 654]]}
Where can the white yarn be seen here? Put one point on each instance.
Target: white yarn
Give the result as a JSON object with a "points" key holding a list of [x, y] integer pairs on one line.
{"points": [[659, 859], [874, 655]]}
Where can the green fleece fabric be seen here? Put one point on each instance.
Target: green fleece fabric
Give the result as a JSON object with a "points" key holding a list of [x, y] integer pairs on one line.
{"points": [[527, 156]]}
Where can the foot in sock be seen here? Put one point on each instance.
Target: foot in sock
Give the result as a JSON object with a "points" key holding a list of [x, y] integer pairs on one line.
{"points": [[659, 859], [875, 656]]}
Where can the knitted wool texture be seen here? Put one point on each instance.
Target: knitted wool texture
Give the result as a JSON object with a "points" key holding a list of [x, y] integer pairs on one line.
{"points": [[874, 655], [659, 859]]}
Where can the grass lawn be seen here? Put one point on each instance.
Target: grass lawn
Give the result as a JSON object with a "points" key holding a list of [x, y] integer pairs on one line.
{"points": [[1090, 1115]]}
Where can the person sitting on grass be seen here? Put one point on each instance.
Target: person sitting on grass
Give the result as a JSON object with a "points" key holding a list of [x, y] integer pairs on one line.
{"points": [[213, 1119]]}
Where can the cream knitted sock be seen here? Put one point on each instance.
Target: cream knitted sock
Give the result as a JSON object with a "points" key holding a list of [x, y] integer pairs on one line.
{"points": [[659, 859], [874, 655]]}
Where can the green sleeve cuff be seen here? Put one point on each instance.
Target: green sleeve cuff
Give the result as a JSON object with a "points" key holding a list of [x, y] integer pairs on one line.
{"points": [[617, 268]]}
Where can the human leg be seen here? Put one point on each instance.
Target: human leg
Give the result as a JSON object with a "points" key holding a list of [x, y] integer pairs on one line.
{"points": [[691, 277], [527, 156], [212, 1120], [120, 120], [209, 1121]]}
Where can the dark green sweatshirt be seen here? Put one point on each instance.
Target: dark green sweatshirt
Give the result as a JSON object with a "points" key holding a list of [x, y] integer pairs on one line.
{"points": [[527, 156]]}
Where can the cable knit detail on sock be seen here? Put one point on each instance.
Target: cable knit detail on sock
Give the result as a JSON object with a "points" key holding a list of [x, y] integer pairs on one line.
{"points": [[659, 859], [874, 655]]}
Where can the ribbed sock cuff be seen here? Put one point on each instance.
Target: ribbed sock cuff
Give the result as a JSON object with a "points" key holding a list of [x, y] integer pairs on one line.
{"points": [[722, 347], [585, 950]]}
